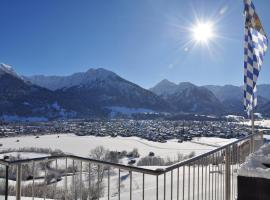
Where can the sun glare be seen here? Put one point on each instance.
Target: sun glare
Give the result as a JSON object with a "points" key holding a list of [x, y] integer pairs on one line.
{"points": [[203, 32]]}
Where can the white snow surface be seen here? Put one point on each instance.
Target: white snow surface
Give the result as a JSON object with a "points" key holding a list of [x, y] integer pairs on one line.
{"points": [[253, 167], [127, 111], [7, 69], [235, 117], [264, 122], [82, 145], [24, 155]]}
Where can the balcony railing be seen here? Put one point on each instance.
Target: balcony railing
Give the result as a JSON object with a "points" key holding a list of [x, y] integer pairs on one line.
{"points": [[210, 176]]}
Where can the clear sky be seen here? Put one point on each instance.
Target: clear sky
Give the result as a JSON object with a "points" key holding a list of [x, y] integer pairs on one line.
{"points": [[143, 41]]}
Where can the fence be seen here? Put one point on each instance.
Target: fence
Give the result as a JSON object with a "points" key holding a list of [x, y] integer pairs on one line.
{"points": [[210, 176]]}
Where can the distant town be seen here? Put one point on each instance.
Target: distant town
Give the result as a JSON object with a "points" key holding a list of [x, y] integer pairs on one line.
{"points": [[153, 130]]}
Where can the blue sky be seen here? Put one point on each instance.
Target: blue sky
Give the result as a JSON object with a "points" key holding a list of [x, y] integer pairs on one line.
{"points": [[143, 41]]}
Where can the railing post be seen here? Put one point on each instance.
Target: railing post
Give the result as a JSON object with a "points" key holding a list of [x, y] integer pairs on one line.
{"points": [[156, 187], [18, 182], [6, 185], [227, 174]]}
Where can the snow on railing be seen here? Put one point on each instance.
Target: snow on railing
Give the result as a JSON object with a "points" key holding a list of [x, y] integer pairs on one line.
{"points": [[209, 176]]}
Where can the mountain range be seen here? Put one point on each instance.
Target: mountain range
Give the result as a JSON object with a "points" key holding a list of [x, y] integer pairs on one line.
{"points": [[210, 99], [102, 93], [95, 93]]}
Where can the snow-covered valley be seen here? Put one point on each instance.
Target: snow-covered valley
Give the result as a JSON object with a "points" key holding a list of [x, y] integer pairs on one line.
{"points": [[82, 145]]}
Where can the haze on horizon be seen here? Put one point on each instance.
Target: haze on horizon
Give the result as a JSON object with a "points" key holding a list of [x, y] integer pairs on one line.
{"points": [[143, 41]]}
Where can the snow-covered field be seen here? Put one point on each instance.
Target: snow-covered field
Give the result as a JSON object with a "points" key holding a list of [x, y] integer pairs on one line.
{"points": [[82, 145], [24, 155], [264, 122]]}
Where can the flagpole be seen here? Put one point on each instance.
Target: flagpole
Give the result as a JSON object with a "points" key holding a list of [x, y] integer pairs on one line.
{"points": [[253, 129], [252, 121]]}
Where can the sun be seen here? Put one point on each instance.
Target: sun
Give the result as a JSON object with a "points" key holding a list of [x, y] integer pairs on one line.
{"points": [[203, 32]]}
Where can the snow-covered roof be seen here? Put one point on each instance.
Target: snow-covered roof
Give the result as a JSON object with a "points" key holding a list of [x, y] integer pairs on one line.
{"points": [[254, 165]]}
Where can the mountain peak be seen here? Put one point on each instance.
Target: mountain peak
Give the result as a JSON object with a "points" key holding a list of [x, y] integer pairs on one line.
{"points": [[166, 81], [77, 79], [164, 87], [100, 73], [7, 69]]}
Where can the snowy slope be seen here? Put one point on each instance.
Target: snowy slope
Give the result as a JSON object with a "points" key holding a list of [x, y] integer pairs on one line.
{"points": [[7, 69], [77, 79]]}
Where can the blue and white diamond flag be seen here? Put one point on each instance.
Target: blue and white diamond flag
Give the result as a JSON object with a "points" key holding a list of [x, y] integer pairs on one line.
{"points": [[255, 46]]}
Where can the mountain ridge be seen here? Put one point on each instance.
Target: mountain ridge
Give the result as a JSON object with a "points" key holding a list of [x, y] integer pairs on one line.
{"points": [[100, 92], [96, 92]]}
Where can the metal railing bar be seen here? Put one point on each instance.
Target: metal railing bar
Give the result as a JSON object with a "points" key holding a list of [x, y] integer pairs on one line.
{"points": [[55, 184], [205, 188], [185, 162], [202, 165], [164, 182], [156, 188], [6, 184], [143, 187], [109, 176], [73, 177], [97, 162], [193, 180], [81, 169], [130, 185], [212, 183], [98, 181], [215, 171], [18, 182], [209, 178], [45, 180], [218, 174], [119, 184], [89, 180], [172, 185], [178, 184], [189, 182], [184, 175], [33, 181], [198, 179], [65, 192]]}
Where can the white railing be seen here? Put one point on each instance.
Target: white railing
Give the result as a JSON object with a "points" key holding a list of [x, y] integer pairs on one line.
{"points": [[210, 176]]}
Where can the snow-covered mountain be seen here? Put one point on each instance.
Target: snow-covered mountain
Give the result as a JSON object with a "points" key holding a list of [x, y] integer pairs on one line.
{"points": [[230, 97], [7, 69], [21, 99], [102, 93], [264, 91], [77, 79], [99, 92], [226, 92], [164, 88], [187, 97]]}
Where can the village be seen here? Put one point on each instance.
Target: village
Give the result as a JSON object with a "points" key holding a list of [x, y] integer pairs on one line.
{"points": [[152, 130]]}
